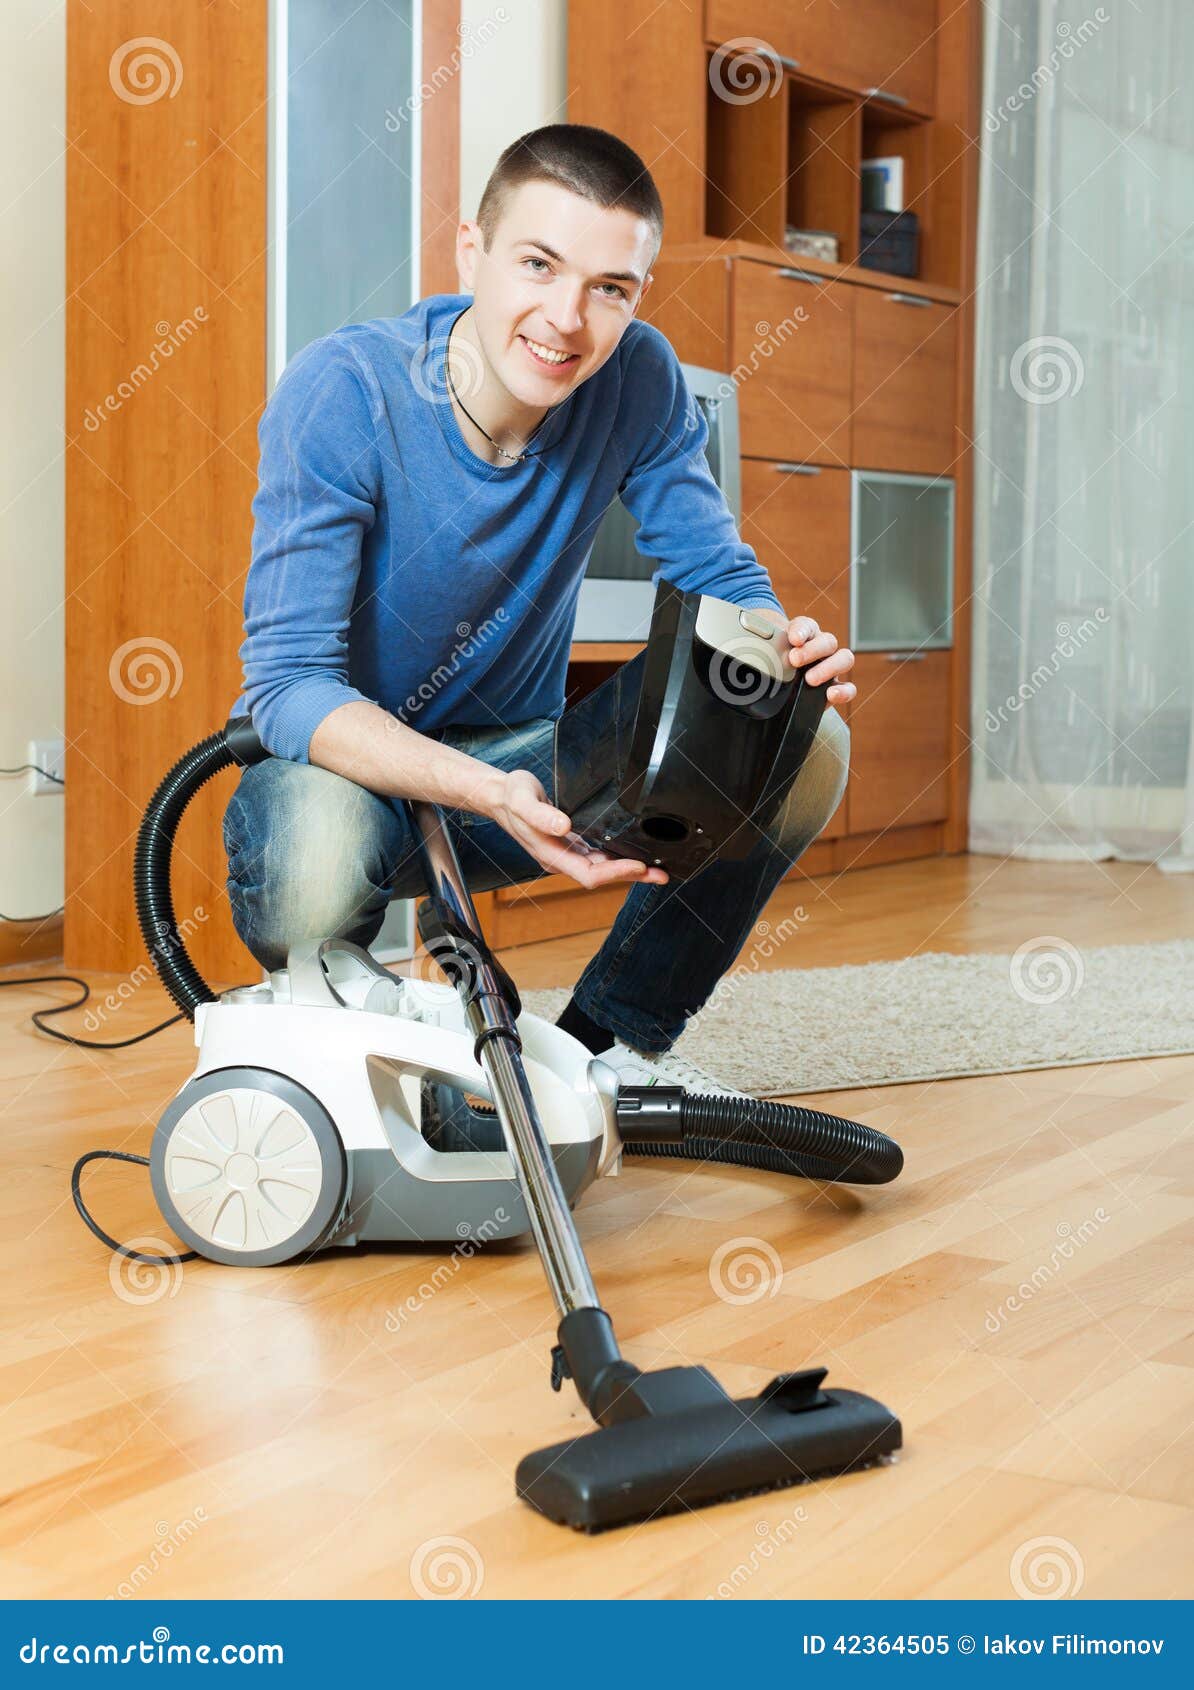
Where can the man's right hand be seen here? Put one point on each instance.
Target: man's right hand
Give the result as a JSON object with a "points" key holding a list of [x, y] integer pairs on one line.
{"points": [[519, 804]]}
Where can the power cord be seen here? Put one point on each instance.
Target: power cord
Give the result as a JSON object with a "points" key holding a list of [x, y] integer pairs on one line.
{"points": [[37, 770], [99, 1155], [38, 1015], [120, 1249]]}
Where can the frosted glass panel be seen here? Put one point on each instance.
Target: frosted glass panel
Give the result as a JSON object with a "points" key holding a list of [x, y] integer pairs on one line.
{"points": [[902, 569], [349, 141]]}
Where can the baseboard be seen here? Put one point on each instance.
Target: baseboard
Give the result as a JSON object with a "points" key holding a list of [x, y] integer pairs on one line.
{"points": [[24, 941]]}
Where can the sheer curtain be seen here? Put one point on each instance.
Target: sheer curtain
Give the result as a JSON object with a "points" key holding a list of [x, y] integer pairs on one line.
{"points": [[1084, 484]]}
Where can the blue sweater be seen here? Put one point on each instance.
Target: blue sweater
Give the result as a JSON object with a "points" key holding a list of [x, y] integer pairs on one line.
{"points": [[391, 563]]}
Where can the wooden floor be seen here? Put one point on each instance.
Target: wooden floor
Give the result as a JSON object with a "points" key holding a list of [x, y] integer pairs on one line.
{"points": [[269, 1433]]}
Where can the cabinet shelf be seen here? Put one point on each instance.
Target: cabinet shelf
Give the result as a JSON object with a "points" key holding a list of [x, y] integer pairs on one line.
{"points": [[770, 252], [784, 148]]}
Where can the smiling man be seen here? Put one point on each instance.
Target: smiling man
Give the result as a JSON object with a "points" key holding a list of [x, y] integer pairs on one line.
{"points": [[430, 486]]}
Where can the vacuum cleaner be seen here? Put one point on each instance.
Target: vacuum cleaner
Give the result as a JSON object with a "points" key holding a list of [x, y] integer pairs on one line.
{"points": [[332, 1103]]}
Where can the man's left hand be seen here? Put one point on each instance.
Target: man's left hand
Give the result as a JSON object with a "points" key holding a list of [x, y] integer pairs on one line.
{"points": [[812, 645]]}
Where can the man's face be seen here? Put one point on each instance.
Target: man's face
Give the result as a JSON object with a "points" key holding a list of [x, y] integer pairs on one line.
{"points": [[562, 275]]}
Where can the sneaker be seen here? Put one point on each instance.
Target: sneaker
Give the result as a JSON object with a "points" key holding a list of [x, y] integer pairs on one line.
{"points": [[662, 1068]]}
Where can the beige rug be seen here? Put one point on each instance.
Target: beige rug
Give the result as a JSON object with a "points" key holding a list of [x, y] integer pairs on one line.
{"points": [[938, 1016]]}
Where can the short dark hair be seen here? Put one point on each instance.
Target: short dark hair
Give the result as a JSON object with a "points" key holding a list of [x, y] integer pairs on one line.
{"points": [[590, 162]]}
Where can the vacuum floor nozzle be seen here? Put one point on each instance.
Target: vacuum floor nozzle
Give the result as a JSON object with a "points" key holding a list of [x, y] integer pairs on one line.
{"points": [[666, 1463]]}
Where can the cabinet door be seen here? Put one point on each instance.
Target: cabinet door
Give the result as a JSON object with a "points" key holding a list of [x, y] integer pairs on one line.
{"points": [[790, 353], [905, 368], [797, 519], [899, 741], [857, 44]]}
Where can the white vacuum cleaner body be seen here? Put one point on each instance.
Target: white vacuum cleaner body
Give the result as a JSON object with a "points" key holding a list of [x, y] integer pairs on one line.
{"points": [[303, 1124]]}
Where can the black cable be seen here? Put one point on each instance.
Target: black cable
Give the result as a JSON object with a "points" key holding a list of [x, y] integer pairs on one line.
{"points": [[48, 774], [77, 1003], [120, 1249]]}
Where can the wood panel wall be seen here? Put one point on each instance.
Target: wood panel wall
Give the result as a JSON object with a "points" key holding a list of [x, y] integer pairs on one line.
{"points": [[166, 249]]}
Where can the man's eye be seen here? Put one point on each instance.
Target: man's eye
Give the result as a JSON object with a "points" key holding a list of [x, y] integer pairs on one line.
{"points": [[619, 292], [535, 261]]}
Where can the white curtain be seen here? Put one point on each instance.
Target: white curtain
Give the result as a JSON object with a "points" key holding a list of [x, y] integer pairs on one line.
{"points": [[1084, 438]]}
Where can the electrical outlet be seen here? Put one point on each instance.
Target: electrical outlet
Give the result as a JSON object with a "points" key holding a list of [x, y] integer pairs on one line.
{"points": [[49, 754]]}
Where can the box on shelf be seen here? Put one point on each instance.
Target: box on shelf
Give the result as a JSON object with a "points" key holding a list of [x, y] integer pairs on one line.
{"points": [[890, 241], [812, 243]]}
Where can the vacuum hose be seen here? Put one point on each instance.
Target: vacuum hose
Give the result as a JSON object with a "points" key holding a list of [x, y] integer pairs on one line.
{"points": [[237, 743], [754, 1133]]}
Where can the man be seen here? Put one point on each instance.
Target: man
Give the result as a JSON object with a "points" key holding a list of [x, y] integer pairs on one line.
{"points": [[429, 490]]}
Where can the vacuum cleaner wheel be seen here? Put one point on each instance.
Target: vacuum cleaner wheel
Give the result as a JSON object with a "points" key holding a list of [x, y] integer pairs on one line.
{"points": [[247, 1167]]}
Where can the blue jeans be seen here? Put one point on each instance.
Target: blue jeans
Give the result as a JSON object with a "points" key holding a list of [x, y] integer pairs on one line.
{"points": [[313, 855]]}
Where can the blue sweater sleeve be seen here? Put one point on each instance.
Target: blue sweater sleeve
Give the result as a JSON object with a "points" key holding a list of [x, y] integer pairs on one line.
{"points": [[317, 495], [683, 517]]}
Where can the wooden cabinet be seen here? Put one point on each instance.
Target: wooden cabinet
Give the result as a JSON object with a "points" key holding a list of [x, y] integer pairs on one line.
{"points": [[861, 45], [790, 354], [904, 381], [797, 519], [900, 732]]}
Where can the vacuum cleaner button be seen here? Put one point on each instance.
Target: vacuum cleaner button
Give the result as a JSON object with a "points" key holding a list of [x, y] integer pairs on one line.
{"points": [[756, 623]]}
